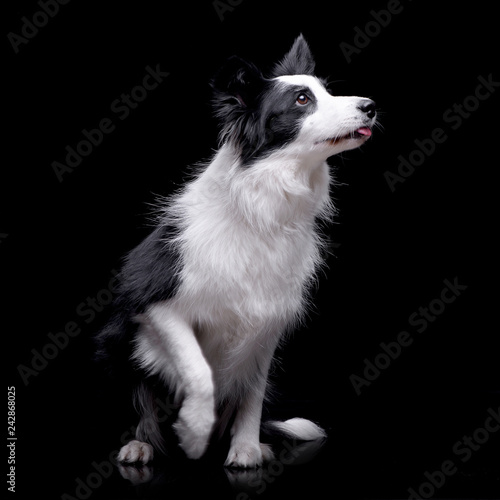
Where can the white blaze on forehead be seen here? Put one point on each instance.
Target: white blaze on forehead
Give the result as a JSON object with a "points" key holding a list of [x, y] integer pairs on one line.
{"points": [[305, 81]]}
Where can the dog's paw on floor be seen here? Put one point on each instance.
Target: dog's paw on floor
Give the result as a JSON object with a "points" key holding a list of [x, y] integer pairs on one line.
{"points": [[136, 451]]}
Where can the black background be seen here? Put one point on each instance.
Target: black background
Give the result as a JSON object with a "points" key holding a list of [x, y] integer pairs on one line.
{"points": [[393, 250]]}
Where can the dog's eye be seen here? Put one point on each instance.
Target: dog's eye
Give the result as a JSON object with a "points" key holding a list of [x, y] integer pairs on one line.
{"points": [[302, 99]]}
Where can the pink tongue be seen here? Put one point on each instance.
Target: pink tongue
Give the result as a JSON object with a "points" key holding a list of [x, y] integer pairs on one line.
{"points": [[364, 131]]}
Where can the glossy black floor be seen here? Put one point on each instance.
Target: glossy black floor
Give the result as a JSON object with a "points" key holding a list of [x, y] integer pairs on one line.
{"points": [[382, 448], [413, 247]]}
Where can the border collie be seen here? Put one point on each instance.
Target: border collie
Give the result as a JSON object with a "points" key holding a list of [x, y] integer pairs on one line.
{"points": [[204, 301]]}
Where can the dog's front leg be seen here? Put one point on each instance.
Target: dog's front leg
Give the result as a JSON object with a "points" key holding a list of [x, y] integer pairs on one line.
{"points": [[246, 451], [168, 346]]}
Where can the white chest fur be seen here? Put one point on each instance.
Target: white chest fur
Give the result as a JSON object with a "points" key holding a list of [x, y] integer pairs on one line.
{"points": [[249, 248], [249, 243]]}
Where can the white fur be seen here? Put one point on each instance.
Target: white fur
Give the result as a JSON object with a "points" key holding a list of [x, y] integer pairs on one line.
{"points": [[248, 244], [335, 117], [293, 427]]}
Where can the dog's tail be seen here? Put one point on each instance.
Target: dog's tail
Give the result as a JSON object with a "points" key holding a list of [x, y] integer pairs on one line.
{"points": [[300, 429]]}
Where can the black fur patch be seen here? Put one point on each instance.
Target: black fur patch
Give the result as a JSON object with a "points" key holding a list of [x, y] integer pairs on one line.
{"points": [[281, 118], [149, 275], [257, 114], [150, 272]]}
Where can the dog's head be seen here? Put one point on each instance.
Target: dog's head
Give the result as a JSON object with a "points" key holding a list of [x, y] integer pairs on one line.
{"points": [[290, 110]]}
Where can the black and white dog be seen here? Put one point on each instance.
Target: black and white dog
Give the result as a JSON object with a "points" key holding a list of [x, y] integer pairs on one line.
{"points": [[204, 301]]}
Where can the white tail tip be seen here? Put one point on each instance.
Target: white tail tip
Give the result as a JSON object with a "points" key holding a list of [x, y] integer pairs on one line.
{"points": [[298, 428]]}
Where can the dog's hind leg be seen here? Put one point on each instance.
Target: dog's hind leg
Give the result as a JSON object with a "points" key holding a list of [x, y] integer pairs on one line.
{"points": [[148, 435], [136, 451], [167, 346]]}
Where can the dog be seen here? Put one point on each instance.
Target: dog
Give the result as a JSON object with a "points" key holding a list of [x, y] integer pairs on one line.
{"points": [[205, 300]]}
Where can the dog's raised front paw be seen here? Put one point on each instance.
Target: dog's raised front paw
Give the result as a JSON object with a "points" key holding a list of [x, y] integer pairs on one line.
{"points": [[194, 426]]}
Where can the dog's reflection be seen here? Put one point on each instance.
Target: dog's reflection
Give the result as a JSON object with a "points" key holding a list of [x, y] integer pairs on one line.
{"points": [[288, 453], [136, 474]]}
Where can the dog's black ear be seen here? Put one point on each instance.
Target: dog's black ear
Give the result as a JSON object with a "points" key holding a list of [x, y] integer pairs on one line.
{"points": [[237, 87], [298, 61], [238, 82]]}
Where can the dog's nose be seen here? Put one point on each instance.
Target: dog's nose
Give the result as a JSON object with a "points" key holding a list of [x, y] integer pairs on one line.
{"points": [[367, 106]]}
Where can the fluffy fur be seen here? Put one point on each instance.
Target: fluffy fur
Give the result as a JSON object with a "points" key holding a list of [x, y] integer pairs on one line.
{"points": [[207, 297]]}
